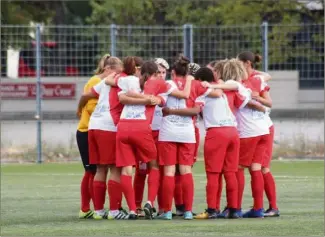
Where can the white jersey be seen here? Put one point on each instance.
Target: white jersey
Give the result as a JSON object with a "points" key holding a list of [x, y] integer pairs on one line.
{"points": [[151, 87], [131, 83], [101, 118], [218, 112], [251, 123], [175, 128], [267, 114], [157, 118]]}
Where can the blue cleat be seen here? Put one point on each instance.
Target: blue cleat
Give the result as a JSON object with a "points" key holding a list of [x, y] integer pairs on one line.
{"points": [[188, 215], [240, 213], [254, 213], [224, 213], [165, 216], [272, 213]]}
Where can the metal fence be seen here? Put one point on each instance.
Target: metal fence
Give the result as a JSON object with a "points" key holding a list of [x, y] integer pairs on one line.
{"points": [[75, 50]]}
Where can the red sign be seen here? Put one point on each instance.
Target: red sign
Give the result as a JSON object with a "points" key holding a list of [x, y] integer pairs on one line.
{"points": [[28, 90]]}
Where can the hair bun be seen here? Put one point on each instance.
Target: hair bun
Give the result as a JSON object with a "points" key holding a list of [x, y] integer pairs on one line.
{"points": [[182, 60], [258, 58]]}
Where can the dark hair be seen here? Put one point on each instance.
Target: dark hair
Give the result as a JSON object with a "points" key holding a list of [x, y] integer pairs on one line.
{"points": [[255, 59], [180, 65], [130, 63], [148, 69], [204, 74]]}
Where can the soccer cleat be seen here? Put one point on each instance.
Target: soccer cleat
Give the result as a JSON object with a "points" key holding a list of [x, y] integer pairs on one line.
{"points": [[207, 215], [271, 212], [224, 213], [148, 210], [117, 215], [203, 215], [233, 214], [140, 212], [132, 216], [240, 213], [86, 215], [188, 215], [123, 210], [254, 213], [100, 215], [165, 216]]}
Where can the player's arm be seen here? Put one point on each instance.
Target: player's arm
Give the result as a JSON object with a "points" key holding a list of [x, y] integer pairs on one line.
{"points": [[223, 86], [137, 95], [266, 76], [215, 93], [111, 79], [185, 94], [264, 99], [181, 112], [84, 99], [127, 100], [256, 106]]}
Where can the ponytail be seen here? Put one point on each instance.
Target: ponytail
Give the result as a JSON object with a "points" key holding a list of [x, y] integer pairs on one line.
{"points": [[102, 63]]}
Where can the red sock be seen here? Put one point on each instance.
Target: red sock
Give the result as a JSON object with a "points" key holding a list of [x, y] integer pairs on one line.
{"points": [[85, 192], [270, 189], [178, 193], [160, 191], [99, 194], [90, 185], [168, 192], [126, 184], [188, 190], [257, 188], [220, 184], [212, 189], [138, 185], [115, 195], [241, 186], [153, 185], [231, 189]]}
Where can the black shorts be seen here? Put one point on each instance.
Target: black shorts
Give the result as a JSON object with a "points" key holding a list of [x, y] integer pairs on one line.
{"points": [[82, 141]]}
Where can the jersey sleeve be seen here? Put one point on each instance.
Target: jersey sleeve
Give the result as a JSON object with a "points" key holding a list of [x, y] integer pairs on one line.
{"points": [[98, 88], [128, 83], [240, 101], [263, 85], [201, 90]]}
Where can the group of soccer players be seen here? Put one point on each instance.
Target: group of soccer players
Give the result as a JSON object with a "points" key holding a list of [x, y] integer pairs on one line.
{"points": [[131, 116]]}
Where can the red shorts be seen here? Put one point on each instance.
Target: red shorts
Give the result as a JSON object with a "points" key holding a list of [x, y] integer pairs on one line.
{"points": [[172, 153], [252, 150], [221, 149], [134, 143], [197, 144], [155, 135], [269, 150], [102, 147]]}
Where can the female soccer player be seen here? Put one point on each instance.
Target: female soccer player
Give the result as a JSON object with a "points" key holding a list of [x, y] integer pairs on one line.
{"points": [[142, 169], [134, 136], [82, 140], [253, 132], [248, 58], [102, 144], [177, 141]]}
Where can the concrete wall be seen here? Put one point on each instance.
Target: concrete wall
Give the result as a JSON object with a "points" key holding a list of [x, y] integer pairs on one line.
{"points": [[288, 100]]}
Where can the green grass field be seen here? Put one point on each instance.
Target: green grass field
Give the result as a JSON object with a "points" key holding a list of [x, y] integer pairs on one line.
{"points": [[44, 200]]}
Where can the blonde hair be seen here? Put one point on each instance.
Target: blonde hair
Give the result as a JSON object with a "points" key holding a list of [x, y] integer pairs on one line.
{"points": [[234, 70], [107, 61], [219, 66]]}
